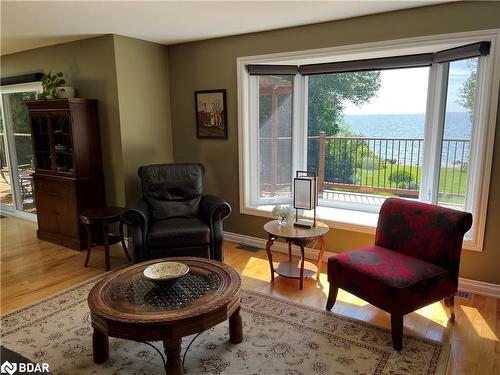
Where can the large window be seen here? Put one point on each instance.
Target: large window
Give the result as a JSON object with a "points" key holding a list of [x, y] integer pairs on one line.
{"points": [[453, 188], [415, 126], [365, 135], [275, 137]]}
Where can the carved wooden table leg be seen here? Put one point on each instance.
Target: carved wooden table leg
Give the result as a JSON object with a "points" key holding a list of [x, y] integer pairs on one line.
{"points": [[100, 346], [236, 327], [302, 261], [269, 243], [320, 257], [173, 351]]}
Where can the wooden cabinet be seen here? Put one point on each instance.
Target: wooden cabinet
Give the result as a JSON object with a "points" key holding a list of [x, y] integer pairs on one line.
{"points": [[68, 167]]}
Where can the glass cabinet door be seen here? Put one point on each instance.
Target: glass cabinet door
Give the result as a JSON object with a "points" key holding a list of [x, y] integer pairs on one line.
{"points": [[41, 141], [63, 146]]}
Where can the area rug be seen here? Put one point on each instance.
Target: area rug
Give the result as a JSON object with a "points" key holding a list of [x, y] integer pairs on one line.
{"points": [[279, 338]]}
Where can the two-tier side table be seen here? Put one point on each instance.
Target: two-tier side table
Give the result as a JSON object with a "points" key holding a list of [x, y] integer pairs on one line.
{"points": [[301, 237]]}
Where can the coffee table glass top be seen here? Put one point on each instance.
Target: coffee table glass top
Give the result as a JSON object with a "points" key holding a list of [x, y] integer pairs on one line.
{"points": [[130, 292], [145, 295]]}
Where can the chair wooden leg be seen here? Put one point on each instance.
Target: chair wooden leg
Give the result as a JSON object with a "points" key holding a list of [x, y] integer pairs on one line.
{"points": [[450, 303], [332, 297], [302, 261], [397, 332]]}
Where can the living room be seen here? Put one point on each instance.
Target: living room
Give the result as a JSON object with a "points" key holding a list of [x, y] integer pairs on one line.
{"points": [[359, 136]]}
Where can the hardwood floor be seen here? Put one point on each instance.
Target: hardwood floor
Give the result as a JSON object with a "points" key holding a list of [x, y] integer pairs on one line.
{"points": [[33, 269]]}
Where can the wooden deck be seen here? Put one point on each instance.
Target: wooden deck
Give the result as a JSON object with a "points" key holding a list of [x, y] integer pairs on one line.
{"points": [[6, 195]]}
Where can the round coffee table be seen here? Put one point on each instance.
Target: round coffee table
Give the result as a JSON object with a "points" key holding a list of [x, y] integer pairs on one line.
{"points": [[127, 305], [300, 237]]}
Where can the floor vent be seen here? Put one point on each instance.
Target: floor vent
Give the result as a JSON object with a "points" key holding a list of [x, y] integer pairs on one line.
{"points": [[253, 249], [463, 295]]}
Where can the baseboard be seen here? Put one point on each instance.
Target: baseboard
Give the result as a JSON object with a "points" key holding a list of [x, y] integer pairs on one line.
{"points": [[20, 214], [479, 287], [467, 285], [279, 247]]}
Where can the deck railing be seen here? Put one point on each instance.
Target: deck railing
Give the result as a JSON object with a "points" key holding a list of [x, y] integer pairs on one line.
{"points": [[379, 165]]}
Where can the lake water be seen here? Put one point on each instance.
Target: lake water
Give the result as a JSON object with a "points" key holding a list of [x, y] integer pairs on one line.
{"points": [[458, 126]]}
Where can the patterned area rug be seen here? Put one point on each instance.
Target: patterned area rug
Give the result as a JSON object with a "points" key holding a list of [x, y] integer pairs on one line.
{"points": [[279, 338]]}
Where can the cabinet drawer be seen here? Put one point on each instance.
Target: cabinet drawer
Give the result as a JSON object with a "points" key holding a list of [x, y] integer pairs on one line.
{"points": [[54, 187]]}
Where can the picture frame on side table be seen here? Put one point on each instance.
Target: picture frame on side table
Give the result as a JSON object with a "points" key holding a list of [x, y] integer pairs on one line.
{"points": [[211, 114]]}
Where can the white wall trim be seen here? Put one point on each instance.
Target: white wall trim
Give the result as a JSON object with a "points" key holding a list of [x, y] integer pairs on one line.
{"points": [[466, 285], [21, 87], [479, 287], [19, 214], [280, 247], [412, 45]]}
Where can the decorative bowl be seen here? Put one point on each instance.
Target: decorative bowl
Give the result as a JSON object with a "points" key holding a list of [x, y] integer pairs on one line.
{"points": [[164, 272]]}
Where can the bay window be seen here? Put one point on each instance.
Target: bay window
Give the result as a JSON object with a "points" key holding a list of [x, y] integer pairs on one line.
{"points": [[416, 126]]}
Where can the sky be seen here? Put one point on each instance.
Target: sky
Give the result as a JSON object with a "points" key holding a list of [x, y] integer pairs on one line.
{"points": [[404, 91]]}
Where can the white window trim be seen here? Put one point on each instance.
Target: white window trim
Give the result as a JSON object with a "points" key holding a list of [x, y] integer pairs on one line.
{"points": [[21, 87], [299, 148], [362, 221], [433, 131]]}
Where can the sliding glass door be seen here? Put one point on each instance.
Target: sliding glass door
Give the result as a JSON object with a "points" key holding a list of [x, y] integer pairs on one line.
{"points": [[16, 181], [6, 196]]}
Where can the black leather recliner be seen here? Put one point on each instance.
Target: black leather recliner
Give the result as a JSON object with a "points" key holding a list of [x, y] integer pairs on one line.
{"points": [[174, 218]]}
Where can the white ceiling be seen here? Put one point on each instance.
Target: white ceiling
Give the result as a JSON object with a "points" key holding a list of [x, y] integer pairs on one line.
{"points": [[31, 24]]}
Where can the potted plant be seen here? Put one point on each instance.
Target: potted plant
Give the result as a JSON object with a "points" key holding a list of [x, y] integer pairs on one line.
{"points": [[50, 84]]}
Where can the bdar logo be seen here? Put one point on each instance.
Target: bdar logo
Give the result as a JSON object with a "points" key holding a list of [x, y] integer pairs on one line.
{"points": [[8, 368]]}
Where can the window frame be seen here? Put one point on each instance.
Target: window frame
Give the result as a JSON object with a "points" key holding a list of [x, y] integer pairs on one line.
{"points": [[9, 141], [482, 139]]}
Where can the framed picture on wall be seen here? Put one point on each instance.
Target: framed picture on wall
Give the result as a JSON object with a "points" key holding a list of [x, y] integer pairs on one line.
{"points": [[211, 113]]}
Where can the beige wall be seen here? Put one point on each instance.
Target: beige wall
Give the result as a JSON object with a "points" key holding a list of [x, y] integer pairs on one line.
{"points": [[143, 96], [89, 66], [129, 78], [212, 64]]}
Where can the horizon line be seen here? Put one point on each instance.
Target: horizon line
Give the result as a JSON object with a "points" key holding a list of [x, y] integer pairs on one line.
{"points": [[404, 113]]}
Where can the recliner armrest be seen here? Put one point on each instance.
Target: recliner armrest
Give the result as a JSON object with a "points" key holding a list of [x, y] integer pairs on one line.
{"points": [[212, 207], [137, 214], [213, 210], [136, 217]]}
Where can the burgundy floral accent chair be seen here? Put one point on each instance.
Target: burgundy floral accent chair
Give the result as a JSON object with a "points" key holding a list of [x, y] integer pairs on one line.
{"points": [[414, 262]]}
